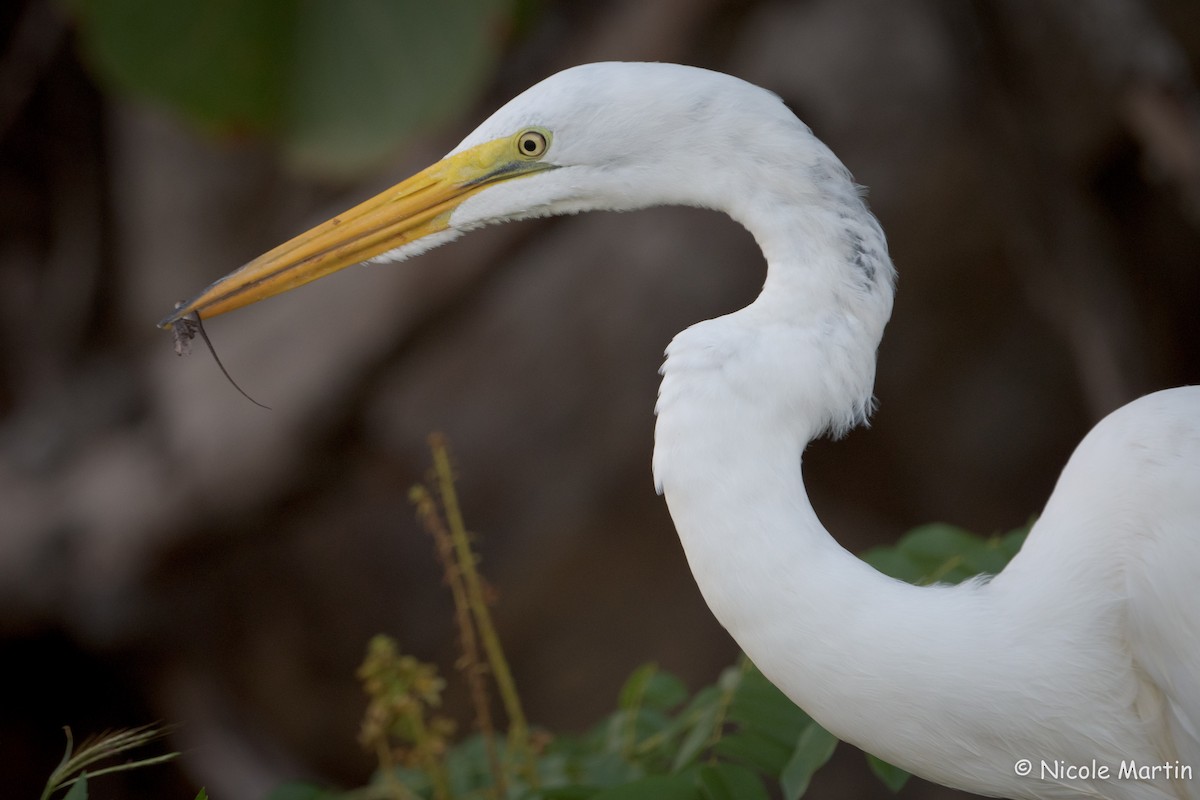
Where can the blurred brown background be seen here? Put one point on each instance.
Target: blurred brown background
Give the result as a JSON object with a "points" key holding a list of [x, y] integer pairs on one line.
{"points": [[168, 551]]}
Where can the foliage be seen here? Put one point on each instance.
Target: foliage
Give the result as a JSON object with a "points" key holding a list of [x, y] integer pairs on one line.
{"points": [[739, 739], [72, 772], [403, 692], [339, 84], [941, 553]]}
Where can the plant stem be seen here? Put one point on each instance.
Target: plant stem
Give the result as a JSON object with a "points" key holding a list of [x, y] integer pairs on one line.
{"points": [[434, 767], [518, 731], [469, 664]]}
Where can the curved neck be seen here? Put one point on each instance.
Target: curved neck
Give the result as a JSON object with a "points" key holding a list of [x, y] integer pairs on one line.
{"points": [[820, 623], [869, 657], [741, 397]]}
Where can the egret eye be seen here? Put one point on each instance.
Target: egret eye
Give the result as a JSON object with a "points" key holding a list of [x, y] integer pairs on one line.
{"points": [[532, 144]]}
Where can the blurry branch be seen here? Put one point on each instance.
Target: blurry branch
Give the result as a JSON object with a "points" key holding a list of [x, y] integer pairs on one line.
{"points": [[1167, 123], [36, 38], [1062, 249], [1131, 52]]}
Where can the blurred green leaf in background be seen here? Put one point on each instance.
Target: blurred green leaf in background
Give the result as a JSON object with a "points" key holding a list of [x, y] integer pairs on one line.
{"points": [[338, 84]]}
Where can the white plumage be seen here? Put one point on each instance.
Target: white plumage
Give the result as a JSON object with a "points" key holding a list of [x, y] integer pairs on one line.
{"points": [[1085, 651]]}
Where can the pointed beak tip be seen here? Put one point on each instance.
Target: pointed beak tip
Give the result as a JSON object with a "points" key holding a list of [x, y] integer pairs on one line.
{"points": [[180, 311]]}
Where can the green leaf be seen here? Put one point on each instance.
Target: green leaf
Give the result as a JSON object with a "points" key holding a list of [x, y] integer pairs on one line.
{"points": [[641, 726], [985, 556], [731, 677], [340, 84], [932, 545], [224, 63], [815, 747], [650, 687], [702, 713], [940, 553], [665, 692], [754, 750], [1011, 542], [658, 787], [760, 706], [730, 782], [632, 692], [78, 790], [467, 766], [895, 564], [368, 74], [606, 769], [893, 777], [648, 723], [202, 795]]}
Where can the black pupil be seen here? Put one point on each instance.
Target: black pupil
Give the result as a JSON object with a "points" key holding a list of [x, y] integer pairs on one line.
{"points": [[530, 145]]}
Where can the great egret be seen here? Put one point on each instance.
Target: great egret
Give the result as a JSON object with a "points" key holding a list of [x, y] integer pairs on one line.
{"points": [[1083, 656]]}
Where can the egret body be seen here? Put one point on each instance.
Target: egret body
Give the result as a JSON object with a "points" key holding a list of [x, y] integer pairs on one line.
{"points": [[1086, 648]]}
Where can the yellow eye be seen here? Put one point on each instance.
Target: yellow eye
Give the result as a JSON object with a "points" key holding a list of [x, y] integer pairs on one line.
{"points": [[532, 144]]}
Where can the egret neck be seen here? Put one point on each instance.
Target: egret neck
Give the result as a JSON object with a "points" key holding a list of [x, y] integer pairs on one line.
{"points": [[899, 670]]}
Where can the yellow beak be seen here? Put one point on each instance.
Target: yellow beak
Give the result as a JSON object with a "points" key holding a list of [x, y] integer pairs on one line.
{"points": [[413, 209]]}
